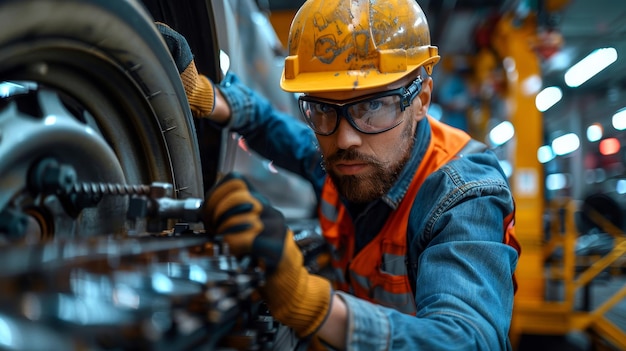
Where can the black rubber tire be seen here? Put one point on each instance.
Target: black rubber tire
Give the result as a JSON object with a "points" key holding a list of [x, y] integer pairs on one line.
{"points": [[121, 55], [108, 56]]}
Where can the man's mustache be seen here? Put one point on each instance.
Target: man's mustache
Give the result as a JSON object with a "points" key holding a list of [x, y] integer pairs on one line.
{"points": [[349, 155]]}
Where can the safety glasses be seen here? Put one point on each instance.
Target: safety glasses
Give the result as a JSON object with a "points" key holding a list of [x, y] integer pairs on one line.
{"points": [[371, 114]]}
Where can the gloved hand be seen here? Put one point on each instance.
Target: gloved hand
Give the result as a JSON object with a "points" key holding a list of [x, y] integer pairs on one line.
{"points": [[199, 89], [250, 226]]}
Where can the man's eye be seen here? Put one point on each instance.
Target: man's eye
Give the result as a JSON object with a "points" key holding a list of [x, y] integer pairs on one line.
{"points": [[375, 105], [322, 108]]}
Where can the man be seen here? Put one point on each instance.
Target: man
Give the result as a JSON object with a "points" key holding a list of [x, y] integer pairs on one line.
{"points": [[419, 217]]}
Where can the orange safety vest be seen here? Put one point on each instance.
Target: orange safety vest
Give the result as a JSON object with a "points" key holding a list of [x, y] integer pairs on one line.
{"points": [[379, 272]]}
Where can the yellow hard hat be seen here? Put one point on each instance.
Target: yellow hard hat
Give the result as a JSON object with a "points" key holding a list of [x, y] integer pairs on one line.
{"points": [[356, 44]]}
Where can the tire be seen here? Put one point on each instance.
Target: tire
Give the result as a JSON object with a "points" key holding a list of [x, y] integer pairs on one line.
{"points": [[105, 68]]}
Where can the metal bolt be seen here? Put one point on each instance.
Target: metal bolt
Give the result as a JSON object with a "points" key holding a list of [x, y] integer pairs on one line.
{"points": [[51, 177], [159, 189], [13, 223]]}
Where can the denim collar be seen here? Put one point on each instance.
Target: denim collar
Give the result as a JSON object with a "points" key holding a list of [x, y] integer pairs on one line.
{"points": [[399, 189]]}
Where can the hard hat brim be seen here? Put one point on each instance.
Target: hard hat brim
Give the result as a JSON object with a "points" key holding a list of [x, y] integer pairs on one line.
{"points": [[311, 82]]}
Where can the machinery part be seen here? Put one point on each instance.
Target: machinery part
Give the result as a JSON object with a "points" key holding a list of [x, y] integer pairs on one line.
{"points": [[187, 210], [90, 83], [13, 223], [41, 116], [89, 86], [155, 202], [352, 45], [158, 206], [153, 293], [51, 177]]}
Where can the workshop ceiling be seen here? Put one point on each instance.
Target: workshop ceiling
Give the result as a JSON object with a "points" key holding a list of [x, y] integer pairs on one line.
{"points": [[587, 25]]}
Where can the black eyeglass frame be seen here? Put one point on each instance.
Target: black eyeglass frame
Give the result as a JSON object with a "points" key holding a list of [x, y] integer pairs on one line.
{"points": [[407, 95]]}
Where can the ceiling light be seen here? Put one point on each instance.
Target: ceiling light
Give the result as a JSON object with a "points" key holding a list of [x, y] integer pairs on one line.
{"points": [[501, 133], [565, 144], [619, 119], [557, 181], [547, 98], [594, 132], [591, 65], [545, 154]]}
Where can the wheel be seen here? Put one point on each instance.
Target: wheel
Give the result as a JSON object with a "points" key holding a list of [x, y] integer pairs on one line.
{"points": [[89, 84]]}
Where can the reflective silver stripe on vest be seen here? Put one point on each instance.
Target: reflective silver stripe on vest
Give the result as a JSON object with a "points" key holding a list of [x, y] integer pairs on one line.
{"points": [[360, 280], [401, 302], [329, 211], [339, 276], [394, 264]]}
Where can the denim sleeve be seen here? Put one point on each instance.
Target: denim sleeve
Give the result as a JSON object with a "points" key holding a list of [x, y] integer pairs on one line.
{"points": [[273, 134], [464, 289]]}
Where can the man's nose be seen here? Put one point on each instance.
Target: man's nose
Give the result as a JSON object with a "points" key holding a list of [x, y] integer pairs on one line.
{"points": [[347, 136]]}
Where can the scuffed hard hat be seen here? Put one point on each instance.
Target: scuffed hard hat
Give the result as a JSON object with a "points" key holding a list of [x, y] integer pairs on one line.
{"points": [[356, 44]]}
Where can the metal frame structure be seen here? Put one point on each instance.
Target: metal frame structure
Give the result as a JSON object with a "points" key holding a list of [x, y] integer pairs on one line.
{"points": [[575, 274]]}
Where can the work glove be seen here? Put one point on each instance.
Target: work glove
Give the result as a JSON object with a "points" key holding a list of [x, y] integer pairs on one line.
{"points": [[199, 89], [251, 227]]}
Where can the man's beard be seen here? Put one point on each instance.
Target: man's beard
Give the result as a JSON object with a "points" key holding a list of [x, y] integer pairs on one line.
{"points": [[365, 188]]}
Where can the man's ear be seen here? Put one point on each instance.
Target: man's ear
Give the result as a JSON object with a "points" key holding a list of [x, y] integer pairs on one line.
{"points": [[425, 95]]}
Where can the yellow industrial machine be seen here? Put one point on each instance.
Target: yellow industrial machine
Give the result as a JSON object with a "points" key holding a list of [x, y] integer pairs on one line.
{"points": [[514, 41], [575, 273]]}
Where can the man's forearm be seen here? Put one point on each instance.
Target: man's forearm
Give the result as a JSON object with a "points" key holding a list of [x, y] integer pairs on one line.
{"points": [[333, 331], [221, 112]]}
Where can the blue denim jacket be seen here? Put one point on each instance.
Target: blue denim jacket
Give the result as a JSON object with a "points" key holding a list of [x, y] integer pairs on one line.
{"points": [[463, 285]]}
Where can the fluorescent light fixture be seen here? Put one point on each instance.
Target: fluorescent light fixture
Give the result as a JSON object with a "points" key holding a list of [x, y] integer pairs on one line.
{"points": [[531, 85], [501, 133], [545, 154], [619, 119], [557, 181], [591, 65], [565, 144], [594, 132], [547, 98], [620, 187]]}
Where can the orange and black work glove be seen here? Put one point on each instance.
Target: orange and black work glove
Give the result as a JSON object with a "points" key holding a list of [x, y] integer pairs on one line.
{"points": [[250, 226], [199, 89]]}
